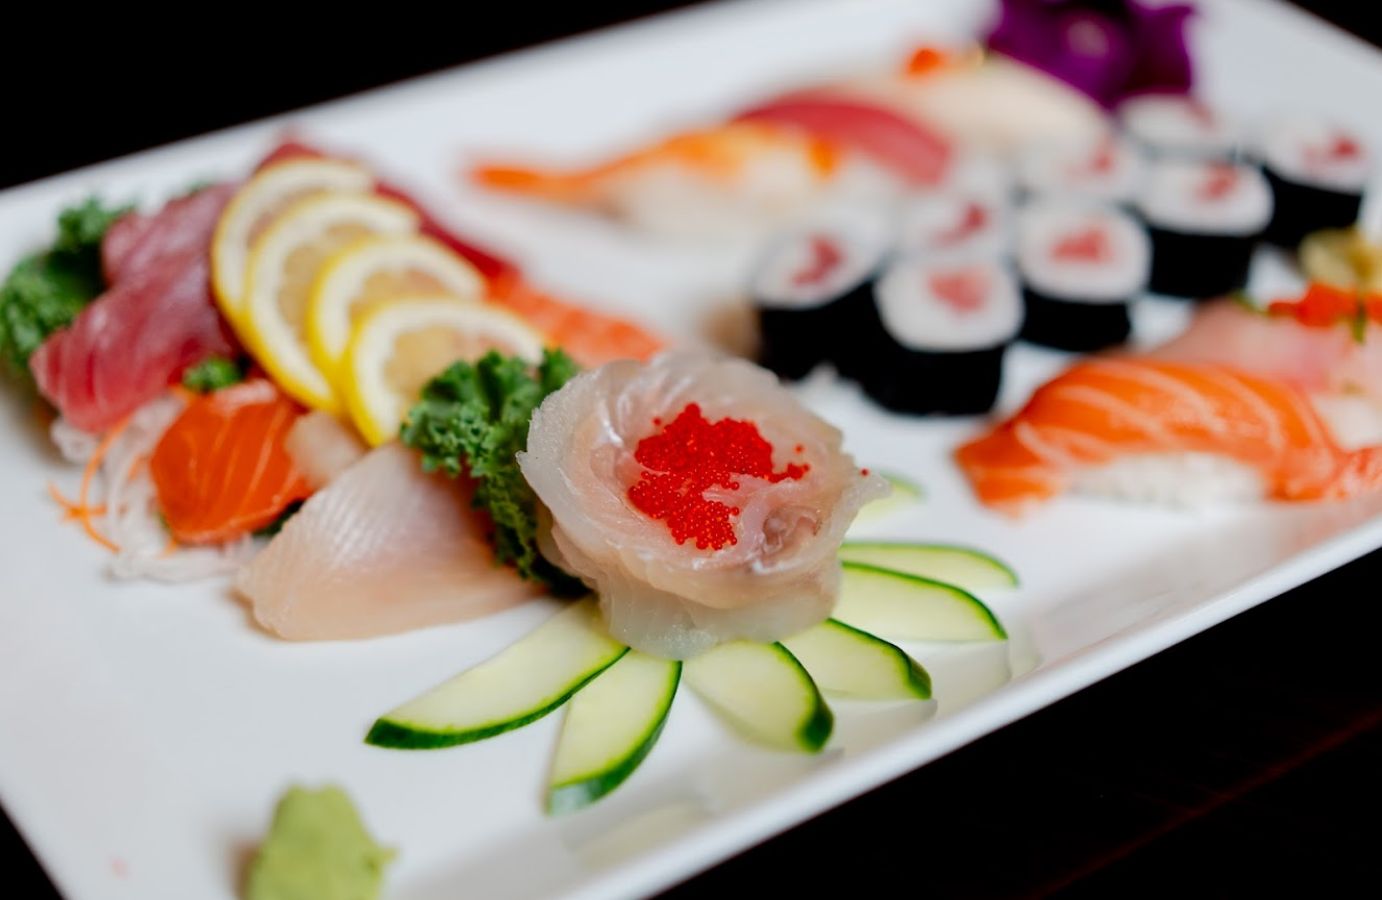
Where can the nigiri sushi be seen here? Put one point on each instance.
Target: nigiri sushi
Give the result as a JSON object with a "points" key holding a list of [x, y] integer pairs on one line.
{"points": [[383, 548], [697, 497], [1165, 431], [1319, 343], [729, 180]]}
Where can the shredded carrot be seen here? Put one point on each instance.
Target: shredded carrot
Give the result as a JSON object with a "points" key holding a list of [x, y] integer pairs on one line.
{"points": [[82, 509]]}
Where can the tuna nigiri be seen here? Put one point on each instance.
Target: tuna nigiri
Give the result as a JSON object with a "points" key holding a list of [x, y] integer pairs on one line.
{"points": [[156, 319], [732, 179], [697, 496], [1158, 430], [383, 548]]}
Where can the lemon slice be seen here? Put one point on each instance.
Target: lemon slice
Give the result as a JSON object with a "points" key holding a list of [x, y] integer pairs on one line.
{"points": [[255, 205], [374, 270], [282, 265], [399, 346]]}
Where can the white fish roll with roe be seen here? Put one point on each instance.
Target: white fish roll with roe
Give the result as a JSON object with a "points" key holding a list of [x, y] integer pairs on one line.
{"points": [[1318, 172], [697, 497]]}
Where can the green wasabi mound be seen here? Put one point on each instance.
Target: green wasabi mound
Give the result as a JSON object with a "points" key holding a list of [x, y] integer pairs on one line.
{"points": [[317, 849]]}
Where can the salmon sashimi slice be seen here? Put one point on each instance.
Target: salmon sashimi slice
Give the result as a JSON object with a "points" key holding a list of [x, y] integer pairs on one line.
{"points": [[591, 338], [1103, 411], [384, 548], [221, 471], [722, 153]]}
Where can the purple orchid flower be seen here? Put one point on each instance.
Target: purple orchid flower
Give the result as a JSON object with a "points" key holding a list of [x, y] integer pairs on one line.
{"points": [[1108, 49]]}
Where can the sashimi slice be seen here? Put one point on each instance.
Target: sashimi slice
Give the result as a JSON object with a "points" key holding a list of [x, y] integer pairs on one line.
{"points": [[221, 470], [1104, 413], [491, 265], [919, 155], [322, 447], [697, 496], [1313, 358], [138, 336], [384, 548], [591, 338], [183, 226]]}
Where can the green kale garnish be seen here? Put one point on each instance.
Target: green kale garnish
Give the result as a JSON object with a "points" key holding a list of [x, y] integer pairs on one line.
{"points": [[212, 374], [474, 418], [45, 291], [276, 525]]}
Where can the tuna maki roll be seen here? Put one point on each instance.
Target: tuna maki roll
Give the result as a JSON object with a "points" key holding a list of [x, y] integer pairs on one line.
{"points": [[1081, 265], [1205, 219], [1317, 172], [966, 223], [1179, 127], [1106, 170], [813, 292], [945, 324]]}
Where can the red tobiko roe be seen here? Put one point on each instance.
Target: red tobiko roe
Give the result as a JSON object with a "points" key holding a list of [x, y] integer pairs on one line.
{"points": [[1323, 305], [691, 455]]}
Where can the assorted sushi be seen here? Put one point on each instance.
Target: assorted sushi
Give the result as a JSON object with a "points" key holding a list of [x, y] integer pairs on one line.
{"points": [[1081, 265], [1205, 220], [1318, 172], [945, 326]]}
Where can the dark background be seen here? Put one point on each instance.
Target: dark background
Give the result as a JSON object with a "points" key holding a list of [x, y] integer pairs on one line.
{"points": [[1248, 759]]}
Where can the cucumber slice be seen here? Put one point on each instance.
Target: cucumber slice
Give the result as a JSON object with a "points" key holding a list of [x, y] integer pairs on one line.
{"points": [[765, 693], [610, 727], [844, 660], [522, 684], [973, 570], [905, 493], [909, 607]]}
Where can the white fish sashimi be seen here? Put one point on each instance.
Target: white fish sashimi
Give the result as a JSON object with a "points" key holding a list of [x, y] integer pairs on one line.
{"points": [[676, 600], [383, 548], [322, 447]]}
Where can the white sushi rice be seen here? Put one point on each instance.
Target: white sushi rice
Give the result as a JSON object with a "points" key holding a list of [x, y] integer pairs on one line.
{"points": [[860, 234], [920, 319], [962, 222], [1044, 224], [1179, 126], [1107, 170], [1174, 198], [1172, 479], [131, 519], [1297, 148]]}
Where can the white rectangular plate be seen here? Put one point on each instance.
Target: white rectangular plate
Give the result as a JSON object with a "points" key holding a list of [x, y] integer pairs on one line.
{"points": [[147, 730]]}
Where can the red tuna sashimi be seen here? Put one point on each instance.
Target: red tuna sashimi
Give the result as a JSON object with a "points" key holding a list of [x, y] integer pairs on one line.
{"points": [[157, 318], [491, 265], [915, 153]]}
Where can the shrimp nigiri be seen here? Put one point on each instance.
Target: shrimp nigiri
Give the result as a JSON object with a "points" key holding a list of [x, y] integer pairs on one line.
{"points": [[1158, 430], [731, 179], [697, 496]]}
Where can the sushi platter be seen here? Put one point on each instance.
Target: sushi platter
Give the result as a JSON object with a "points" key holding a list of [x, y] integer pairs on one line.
{"points": [[472, 488]]}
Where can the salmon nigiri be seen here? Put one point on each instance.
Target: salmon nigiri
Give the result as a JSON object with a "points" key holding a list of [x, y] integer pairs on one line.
{"points": [[729, 179], [383, 548], [1158, 430]]}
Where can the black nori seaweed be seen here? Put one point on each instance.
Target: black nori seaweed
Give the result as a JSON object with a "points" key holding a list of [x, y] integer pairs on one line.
{"points": [[963, 382], [1302, 208], [1067, 324], [1199, 265], [793, 340]]}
